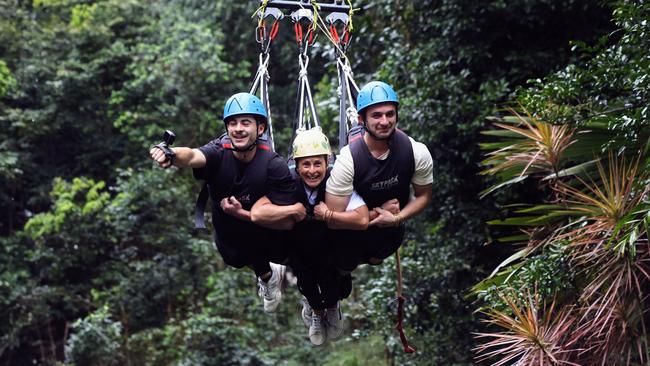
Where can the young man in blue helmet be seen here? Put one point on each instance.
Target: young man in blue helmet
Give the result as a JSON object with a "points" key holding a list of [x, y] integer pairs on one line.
{"points": [[237, 177], [384, 164], [310, 241]]}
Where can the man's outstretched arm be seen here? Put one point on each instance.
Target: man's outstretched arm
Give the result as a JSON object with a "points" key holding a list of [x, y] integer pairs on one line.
{"points": [[185, 157]]}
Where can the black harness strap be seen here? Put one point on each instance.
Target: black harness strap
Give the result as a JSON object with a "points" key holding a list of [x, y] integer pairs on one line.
{"points": [[199, 208]]}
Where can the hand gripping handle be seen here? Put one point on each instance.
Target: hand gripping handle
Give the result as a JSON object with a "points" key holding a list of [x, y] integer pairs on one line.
{"points": [[168, 140]]}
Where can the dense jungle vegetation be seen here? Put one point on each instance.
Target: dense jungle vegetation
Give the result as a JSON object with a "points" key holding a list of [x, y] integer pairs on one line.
{"points": [[534, 251]]}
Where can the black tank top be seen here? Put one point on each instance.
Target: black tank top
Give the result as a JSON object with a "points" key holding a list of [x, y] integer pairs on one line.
{"points": [[377, 181]]}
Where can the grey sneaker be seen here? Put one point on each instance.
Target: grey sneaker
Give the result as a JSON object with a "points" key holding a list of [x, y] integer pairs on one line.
{"points": [[334, 319], [317, 330], [271, 291], [306, 312]]}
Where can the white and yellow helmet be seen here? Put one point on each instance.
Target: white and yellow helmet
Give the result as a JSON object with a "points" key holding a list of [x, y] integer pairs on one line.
{"points": [[312, 142]]}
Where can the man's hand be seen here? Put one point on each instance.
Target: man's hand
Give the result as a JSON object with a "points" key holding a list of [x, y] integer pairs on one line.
{"points": [[232, 206], [384, 218], [320, 210], [158, 155], [300, 212], [391, 206]]}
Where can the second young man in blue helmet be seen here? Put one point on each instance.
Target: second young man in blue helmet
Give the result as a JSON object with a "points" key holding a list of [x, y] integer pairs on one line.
{"points": [[237, 177], [384, 164]]}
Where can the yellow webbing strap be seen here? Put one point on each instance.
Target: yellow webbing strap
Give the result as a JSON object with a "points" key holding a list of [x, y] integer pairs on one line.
{"points": [[261, 11], [314, 21], [350, 13]]}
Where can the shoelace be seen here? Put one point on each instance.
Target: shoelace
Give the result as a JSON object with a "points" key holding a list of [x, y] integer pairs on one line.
{"points": [[337, 311], [317, 322]]}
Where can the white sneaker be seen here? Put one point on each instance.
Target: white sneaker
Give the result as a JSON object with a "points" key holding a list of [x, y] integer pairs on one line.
{"points": [[334, 322], [317, 330], [306, 312], [271, 291]]}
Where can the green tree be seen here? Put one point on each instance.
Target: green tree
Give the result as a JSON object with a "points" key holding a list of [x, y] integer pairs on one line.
{"points": [[584, 143], [453, 63]]}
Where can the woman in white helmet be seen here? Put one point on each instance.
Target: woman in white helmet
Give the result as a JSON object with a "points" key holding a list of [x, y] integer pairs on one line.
{"points": [[311, 242]]}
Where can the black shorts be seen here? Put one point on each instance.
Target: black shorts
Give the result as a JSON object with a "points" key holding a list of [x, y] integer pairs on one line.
{"points": [[253, 248], [311, 258], [356, 247]]}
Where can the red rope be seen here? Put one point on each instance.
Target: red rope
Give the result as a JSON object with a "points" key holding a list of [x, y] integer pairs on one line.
{"points": [[335, 34], [298, 30], [274, 29], [400, 307], [311, 37], [346, 36]]}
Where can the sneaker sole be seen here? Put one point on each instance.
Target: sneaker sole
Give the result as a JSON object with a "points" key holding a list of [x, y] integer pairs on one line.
{"points": [[282, 273], [305, 321]]}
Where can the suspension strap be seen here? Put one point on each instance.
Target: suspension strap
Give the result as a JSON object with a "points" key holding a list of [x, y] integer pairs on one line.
{"points": [[348, 89], [400, 307], [265, 39], [347, 93], [306, 116]]}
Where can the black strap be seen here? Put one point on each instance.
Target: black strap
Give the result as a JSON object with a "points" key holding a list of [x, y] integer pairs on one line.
{"points": [[199, 208]]}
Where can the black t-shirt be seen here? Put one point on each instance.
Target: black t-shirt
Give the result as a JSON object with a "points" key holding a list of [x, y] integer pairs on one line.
{"points": [[265, 175]]}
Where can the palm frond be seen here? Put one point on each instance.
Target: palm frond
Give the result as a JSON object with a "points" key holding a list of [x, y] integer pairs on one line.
{"points": [[535, 146], [529, 336], [609, 207], [616, 336]]}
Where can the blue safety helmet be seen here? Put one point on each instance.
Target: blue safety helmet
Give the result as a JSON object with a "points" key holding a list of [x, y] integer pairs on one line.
{"points": [[375, 92], [244, 103]]}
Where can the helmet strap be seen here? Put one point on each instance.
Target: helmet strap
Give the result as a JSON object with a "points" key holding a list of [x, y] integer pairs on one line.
{"points": [[246, 149]]}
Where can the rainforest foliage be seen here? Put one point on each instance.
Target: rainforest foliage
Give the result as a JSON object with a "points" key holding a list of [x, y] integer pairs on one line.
{"points": [[99, 264]]}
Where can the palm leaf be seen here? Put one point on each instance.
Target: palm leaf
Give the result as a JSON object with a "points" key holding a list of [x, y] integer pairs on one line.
{"points": [[532, 334]]}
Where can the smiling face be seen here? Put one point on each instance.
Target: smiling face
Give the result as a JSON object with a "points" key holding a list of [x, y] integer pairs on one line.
{"points": [[312, 170], [381, 119], [243, 130]]}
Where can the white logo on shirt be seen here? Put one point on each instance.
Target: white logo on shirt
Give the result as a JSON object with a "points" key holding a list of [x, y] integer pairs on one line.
{"points": [[384, 184]]}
